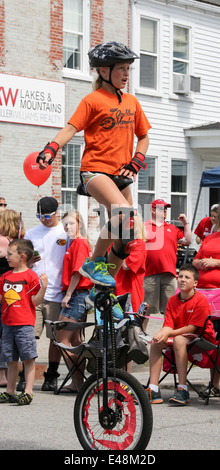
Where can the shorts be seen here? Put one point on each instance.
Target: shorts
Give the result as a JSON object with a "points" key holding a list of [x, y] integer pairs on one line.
{"points": [[87, 176], [18, 342], [46, 310], [120, 181], [77, 305], [158, 288]]}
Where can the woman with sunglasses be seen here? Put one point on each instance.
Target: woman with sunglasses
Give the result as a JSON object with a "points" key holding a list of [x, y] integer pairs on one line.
{"points": [[50, 242], [3, 204]]}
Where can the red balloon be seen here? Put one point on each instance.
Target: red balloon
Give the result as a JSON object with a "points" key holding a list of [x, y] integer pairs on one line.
{"points": [[33, 172]]}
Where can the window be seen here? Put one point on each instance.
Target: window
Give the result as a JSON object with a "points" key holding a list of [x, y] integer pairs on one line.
{"points": [[148, 53], [71, 155], [178, 188], [76, 40], [180, 50], [72, 33], [146, 187]]}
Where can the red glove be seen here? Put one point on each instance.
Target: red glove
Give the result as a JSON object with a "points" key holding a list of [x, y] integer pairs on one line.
{"points": [[137, 162], [52, 148]]}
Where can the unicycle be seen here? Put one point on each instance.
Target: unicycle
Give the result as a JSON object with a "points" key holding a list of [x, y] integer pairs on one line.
{"points": [[112, 410]]}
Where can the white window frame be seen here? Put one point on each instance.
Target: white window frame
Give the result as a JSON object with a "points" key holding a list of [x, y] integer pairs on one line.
{"points": [[150, 54], [82, 201], [189, 26], [181, 60], [137, 14], [84, 73], [185, 193], [134, 187]]}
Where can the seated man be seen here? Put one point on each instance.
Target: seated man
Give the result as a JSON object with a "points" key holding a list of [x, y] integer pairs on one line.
{"points": [[185, 316]]}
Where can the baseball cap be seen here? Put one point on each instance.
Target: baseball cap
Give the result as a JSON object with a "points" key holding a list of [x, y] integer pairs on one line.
{"points": [[47, 205], [160, 202]]}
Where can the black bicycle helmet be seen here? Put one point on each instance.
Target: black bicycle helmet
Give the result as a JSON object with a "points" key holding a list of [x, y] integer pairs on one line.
{"points": [[109, 53]]}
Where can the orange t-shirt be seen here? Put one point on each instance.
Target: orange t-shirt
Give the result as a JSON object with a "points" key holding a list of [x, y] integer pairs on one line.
{"points": [[109, 129]]}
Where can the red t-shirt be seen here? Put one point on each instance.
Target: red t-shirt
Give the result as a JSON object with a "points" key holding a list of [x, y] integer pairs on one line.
{"points": [[210, 248], [73, 259], [180, 313], [16, 290], [203, 228], [131, 280], [161, 247], [109, 129]]}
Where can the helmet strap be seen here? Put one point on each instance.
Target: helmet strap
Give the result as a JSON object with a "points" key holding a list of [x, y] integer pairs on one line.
{"points": [[110, 82]]}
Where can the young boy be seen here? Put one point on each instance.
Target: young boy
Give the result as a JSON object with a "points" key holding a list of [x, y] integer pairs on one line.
{"points": [[185, 316], [20, 292]]}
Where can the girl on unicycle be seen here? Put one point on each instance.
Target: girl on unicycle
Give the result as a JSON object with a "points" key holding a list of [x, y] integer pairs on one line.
{"points": [[110, 120]]}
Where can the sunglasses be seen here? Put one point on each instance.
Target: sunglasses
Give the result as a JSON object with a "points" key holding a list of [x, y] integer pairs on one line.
{"points": [[45, 216], [3, 205]]}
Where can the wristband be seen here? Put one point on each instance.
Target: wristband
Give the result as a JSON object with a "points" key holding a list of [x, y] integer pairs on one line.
{"points": [[52, 148], [137, 162]]}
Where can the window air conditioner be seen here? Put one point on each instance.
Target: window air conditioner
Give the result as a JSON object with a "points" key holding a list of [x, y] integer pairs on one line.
{"points": [[184, 84]]}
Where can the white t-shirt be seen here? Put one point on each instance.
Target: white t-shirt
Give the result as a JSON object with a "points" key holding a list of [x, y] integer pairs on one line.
{"points": [[51, 243]]}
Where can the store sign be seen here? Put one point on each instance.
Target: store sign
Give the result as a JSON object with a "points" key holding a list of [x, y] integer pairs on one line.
{"points": [[32, 101]]}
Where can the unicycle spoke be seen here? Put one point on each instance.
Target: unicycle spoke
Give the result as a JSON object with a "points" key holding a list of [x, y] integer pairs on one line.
{"points": [[130, 418]]}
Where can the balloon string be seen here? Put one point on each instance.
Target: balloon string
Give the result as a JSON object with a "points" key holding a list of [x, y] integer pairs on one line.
{"points": [[42, 239], [20, 226]]}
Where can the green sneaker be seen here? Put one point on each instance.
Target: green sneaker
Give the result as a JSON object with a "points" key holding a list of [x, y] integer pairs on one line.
{"points": [[180, 397], [117, 310], [24, 399], [8, 397], [97, 272]]}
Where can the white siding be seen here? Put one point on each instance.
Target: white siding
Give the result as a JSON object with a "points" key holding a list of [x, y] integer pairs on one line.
{"points": [[170, 114]]}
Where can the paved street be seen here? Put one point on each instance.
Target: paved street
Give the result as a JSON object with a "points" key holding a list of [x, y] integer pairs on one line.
{"points": [[47, 424]]}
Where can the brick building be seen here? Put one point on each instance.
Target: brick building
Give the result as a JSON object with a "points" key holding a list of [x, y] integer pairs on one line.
{"points": [[44, 73], [48, 41]]}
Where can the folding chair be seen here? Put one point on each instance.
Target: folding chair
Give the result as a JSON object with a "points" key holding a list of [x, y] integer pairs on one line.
{"points": [[205, 354], [87, 349], [201, 353], [66, 351]]}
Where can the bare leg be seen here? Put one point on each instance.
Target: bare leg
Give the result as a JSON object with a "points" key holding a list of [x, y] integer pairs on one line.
{"points": [[215, 379], [156, 361], [3, 377], [12, 376], [104, 190], [29, 370], [181, 357], [72, 338], [53, 353]]}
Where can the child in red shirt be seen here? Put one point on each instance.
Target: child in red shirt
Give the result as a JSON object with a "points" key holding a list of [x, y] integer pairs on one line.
{"points": [[185, 316], [75, 286], [20, 293], [131, 275]]}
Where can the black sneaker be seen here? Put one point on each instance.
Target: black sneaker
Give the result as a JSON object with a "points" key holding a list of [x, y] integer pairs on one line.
{"points": [[8, 398], [180, 397], [50, 382], [21, 384], [154, 397]]}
